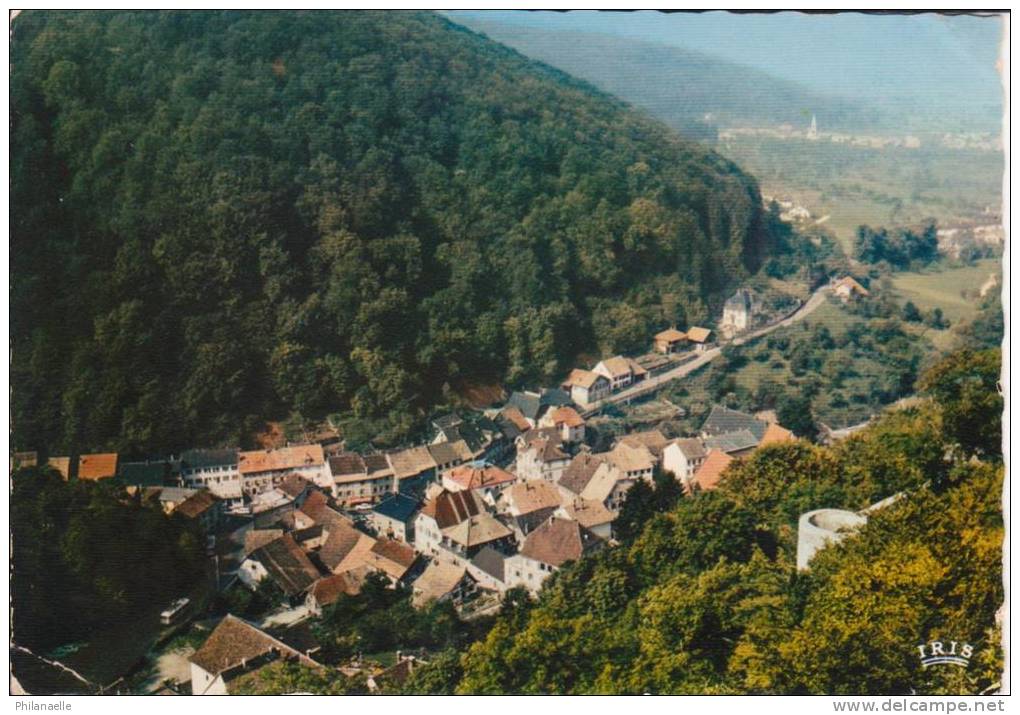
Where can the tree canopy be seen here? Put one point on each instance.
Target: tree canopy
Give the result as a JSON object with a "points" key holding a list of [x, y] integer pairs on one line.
{"points": [[86, 556]]}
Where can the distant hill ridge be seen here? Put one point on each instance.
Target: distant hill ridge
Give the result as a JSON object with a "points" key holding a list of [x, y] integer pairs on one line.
{"points": [[698, 84]]}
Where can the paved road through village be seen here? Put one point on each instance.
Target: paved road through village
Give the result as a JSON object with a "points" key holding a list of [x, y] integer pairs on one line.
{"points": [[653, 383]]}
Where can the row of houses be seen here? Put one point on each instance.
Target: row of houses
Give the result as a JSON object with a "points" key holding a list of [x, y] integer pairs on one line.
{"points": [[479, 506], [588, 387]]}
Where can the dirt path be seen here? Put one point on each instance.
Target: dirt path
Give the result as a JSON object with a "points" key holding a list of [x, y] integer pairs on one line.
{"points": [[174, 665], [993, 280]]}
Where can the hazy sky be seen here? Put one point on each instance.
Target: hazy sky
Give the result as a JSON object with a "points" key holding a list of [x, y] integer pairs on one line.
{"points": [[941, 58]]}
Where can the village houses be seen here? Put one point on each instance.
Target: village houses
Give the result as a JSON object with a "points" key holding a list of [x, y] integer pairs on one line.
{"points": [[394, 517], [525, 505], [620, 371], [454, 526], [532, 405], [847, 288], [634, 462], [440, 516], [413, 469], [358, 479], [263, 469], [700, 338], [591, 514], [669, 341], [486, 480], [547, 549], [567, 422], [212, 469], [443, 581], [682, 457], [540, 455], [586, 387], [236, 649]]}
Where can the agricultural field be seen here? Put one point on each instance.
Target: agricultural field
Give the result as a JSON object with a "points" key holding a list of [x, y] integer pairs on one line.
{"points": [[955, 290], [850, 186]]}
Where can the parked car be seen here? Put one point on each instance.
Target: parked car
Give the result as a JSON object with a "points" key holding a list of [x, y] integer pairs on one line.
{"points": [[174, 611]]}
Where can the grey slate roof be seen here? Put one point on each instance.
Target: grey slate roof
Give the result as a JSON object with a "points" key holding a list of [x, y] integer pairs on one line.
{"points": [[176, 494], [528, 403], [491, 562], [508, 428], [198, 458], [722, 420], [526, 523], [732, 441], [555, 397], [531, 405], [447, 421], [398, 506]]}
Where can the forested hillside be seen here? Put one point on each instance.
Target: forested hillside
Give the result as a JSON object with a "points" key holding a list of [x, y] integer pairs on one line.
{"points": [[224, 217]]}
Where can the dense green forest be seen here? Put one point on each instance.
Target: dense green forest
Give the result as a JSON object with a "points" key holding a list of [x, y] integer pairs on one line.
{"points": [[705, 597], [220, 218], [86, 557]]}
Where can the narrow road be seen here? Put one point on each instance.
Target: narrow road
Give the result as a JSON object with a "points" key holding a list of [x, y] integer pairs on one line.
{"points": [[654, 383]]}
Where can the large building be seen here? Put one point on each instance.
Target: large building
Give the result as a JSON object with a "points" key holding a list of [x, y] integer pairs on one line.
{"points": [[262, 469], [736, 313], [586, 387], [212, 469], [360, 480]]}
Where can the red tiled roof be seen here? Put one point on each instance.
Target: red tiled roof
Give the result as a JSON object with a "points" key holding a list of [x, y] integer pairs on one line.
{"points": [[774, 434], [671, 335], [196, 505], [516, 417], [450, 508], [275, 460], [293, 485], [698, 335], [558, 541], [234, 642], [566, 416], [582, 378], [580, 471], [327, 590], [532, 495], [654, 440], [97, 466], [711, 470], [470, 477]]}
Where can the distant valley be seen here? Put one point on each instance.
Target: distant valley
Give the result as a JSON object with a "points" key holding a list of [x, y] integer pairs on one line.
{"points": [[874, 162]]}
